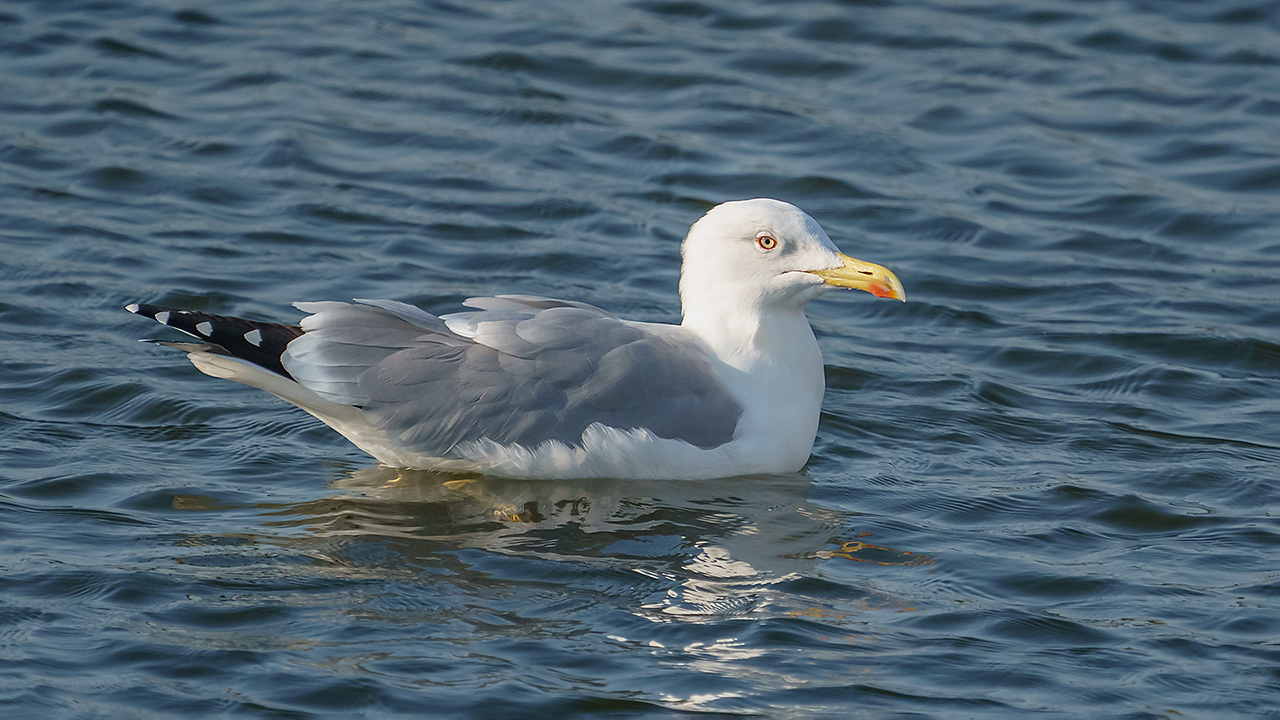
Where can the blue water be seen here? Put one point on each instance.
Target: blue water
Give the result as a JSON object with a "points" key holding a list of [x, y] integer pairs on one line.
{"points": [[1047, 486]]}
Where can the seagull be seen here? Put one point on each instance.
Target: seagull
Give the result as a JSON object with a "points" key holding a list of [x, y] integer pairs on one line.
{"points": [[530, 387]]}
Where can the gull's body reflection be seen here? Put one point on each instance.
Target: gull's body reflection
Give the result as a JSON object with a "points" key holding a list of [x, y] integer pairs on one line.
{"points": [[679, 594], [681, 548]]}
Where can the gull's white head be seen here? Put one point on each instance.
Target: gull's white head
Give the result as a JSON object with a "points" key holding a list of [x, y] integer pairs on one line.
{"points": [[759, 256]]}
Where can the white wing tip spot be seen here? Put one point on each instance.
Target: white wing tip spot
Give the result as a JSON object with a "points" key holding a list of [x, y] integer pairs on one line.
{"points": [[254, 337], [204, 328], [132, 307]]}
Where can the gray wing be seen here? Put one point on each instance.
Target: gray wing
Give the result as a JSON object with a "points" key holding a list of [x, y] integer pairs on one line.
{"points": [[517, 370]]}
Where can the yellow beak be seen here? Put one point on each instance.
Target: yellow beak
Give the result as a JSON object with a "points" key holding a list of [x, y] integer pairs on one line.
{"points": [[859, 275]]}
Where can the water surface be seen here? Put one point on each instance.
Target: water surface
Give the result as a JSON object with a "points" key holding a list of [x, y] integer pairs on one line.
{"points": [[1048, 486]]}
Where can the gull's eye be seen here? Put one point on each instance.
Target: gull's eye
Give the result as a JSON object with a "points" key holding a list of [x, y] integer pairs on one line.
{"points": [[766, 242]]}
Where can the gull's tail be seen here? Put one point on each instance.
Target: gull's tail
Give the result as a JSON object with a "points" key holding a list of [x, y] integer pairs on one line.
{"points": [[260, 343], [250, 352]]}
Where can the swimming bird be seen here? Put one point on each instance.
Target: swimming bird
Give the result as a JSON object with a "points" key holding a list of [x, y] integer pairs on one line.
{"points": [[531, 387]]}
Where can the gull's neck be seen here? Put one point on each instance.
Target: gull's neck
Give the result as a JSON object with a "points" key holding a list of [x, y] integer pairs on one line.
{"points": [[776, 350], [753, 339]]}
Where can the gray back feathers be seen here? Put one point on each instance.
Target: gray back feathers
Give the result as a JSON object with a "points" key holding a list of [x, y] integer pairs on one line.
{"points": [[516, 370]]}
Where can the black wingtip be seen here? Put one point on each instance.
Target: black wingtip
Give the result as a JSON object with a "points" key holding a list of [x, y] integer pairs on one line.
{"points": [[257, 342], [155, 312]]}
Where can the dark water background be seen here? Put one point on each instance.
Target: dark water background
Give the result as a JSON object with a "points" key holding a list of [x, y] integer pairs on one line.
{"points": [[1048, 486]]}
